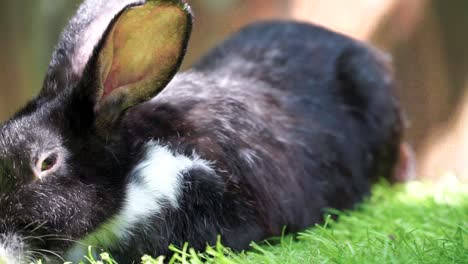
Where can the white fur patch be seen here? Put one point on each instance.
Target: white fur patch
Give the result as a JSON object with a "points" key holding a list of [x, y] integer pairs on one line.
{"points": [[155, 183], [11, 249], [5, 257]]}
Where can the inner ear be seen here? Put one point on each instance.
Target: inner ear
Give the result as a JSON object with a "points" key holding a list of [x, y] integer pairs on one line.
{"points": [[138, 56]]}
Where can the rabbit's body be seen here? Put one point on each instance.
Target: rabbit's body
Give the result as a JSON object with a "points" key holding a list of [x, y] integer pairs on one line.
{"points": [[275, 125], [276, 135]]}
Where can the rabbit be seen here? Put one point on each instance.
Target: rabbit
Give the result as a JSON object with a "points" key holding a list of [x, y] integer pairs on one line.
{"points": [[119, 151]]}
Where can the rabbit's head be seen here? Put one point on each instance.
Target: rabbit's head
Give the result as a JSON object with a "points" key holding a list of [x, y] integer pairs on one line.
{"points": [[62, 161]]}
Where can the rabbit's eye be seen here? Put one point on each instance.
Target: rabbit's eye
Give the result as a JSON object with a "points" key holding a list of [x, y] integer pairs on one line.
{"points": [[45, 165], [49, 162]]}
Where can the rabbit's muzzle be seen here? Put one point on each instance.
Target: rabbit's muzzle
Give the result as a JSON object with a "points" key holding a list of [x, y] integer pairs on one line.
{"points": [[11, 249]]}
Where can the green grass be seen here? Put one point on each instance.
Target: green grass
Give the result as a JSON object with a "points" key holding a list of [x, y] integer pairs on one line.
{"points": [[412, 223]]}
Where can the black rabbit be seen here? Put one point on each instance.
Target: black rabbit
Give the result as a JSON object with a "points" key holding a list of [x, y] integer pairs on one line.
{"points": [[270, 128]]}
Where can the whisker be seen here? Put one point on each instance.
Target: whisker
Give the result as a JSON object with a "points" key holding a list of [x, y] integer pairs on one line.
{"points": [[42, 256], [32, 238], [30, 256], [41, 238], [30, 224], [52, 253], [39, 226], [69, 240]]}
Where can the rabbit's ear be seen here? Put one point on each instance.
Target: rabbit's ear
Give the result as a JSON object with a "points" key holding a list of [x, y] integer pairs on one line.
{"points": [[139, 54], [77, 42]]}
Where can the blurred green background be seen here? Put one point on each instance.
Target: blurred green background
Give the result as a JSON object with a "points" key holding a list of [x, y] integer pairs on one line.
{"points": [[426, 38]]}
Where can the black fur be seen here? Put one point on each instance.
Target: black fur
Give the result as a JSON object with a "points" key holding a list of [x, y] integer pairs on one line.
{"points": [[295, 118]]}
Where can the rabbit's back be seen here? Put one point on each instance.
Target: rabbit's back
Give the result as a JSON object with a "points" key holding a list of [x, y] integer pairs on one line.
{"points": [[295, 118]]}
